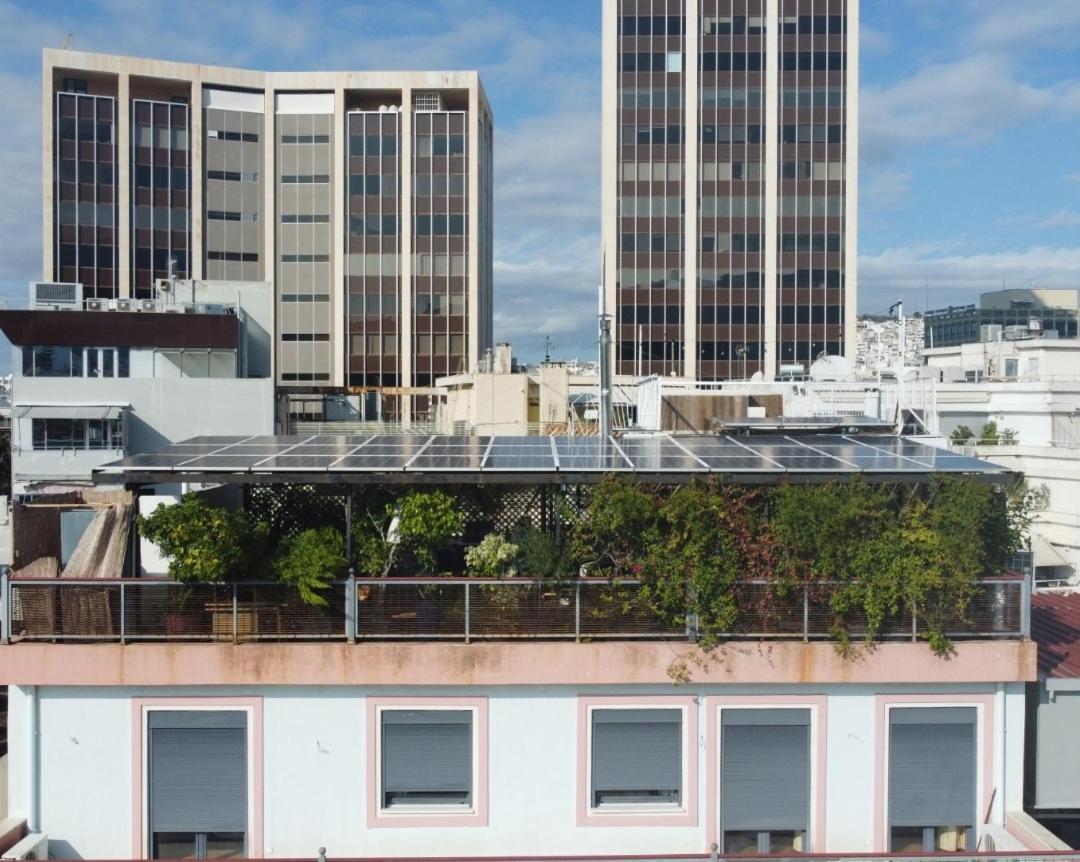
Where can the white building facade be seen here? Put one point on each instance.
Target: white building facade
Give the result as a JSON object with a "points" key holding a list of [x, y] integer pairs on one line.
{"points": [[491, 749]]}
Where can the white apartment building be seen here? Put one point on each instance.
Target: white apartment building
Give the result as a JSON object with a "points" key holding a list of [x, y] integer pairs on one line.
{"points": [[1031, 390]]}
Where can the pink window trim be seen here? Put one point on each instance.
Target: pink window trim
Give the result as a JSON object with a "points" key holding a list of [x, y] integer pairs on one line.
{"points": [[376, 818], [819, 711], [140, 706], [984, 756], [688, 815]]}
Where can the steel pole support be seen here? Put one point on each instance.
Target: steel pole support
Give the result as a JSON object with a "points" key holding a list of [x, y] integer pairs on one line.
{"points": [[468, 619]]}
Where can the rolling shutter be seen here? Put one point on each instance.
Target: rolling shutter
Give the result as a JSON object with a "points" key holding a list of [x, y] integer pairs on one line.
{"points": [[427, 757], [765, 769], [932, 766], [636, 755], [198, 771]]}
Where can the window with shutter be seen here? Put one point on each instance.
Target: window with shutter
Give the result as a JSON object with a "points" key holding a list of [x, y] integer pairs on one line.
{"points": [[932, 770], [637, 757], [197, 783], [427, 758], [765, 780]]}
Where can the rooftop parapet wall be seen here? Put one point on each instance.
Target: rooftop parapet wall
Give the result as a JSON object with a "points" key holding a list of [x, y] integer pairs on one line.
{"points": [[498, 664]]}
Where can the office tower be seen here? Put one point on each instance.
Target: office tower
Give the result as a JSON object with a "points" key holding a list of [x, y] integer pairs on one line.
{"points": [[364, 198], [730, 155]]}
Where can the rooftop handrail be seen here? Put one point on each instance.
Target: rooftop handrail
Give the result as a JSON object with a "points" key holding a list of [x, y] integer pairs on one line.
{"points": [[447, 608]]}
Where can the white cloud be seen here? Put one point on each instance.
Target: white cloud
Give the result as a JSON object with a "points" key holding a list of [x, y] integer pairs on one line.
{"points": [[1040, 23], [966, 102], [885, 188], [936, 275]]}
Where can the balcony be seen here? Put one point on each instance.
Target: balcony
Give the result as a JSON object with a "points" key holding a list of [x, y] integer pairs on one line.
{"points": [[464, 610]]}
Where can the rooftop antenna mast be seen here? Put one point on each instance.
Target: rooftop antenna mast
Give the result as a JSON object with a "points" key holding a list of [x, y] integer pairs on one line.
{"points": [[901, 363], [547, 349]]}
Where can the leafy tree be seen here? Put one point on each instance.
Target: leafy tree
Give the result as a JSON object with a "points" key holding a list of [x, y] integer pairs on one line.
{"points": [[426, 521], [310, 561], [609, 538], [205, 543]]}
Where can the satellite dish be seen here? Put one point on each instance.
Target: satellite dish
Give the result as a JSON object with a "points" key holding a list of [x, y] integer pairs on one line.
{"points": [[832, 368], [757, 377]]}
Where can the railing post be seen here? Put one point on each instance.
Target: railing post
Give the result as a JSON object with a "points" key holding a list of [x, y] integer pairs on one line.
{"points": [[914, 624], [235, 614], [5, 601], [1025, 607], [577, 611], [805, 613], [468, 619], [350, 607], [123, 614]]}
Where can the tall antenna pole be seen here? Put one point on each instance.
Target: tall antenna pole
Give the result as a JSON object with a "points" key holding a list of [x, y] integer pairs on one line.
{"points": [[605, 369], [901, 364]]}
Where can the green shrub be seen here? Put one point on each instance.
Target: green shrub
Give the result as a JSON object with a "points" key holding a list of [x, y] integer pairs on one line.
{"points": [[205, 543], [310, 560]]}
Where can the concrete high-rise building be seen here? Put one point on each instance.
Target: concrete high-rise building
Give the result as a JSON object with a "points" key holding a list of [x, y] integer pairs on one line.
{"points": [[730, 163], [364, 198]]}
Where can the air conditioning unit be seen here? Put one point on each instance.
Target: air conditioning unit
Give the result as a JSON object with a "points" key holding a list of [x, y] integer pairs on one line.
{"points": [[33, 846], [94, 305], [148, 305], [122, 305], [56, 294]]}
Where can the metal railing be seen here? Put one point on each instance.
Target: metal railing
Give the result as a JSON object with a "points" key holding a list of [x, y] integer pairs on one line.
{"points": [[452, 609]]}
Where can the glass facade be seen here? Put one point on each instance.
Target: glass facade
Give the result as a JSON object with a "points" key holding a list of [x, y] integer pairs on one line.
{"points": [[84, 184], [160, 193], [440, 240], [372, 270], [812, 153], [731, 188], [649, 326], [948, 327]]}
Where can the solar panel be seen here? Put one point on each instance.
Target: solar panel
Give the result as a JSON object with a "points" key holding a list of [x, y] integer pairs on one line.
{"points": [[589, 454], [544, 458]]}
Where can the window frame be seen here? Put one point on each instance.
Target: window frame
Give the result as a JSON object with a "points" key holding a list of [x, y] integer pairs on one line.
{"points": [[685, 813], [141, 707], [984, 753], [819, 715], [427, 815]]}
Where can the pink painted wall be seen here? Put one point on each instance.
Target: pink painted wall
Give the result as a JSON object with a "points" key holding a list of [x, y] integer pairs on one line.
{"points": [[503, 664]]}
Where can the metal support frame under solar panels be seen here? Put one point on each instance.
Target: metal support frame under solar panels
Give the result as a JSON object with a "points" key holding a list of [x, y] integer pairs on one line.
{"points": [[437, 459]]}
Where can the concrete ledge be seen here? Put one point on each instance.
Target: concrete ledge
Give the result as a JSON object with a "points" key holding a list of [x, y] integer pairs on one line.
{"points": [[504, 663], [12, 834], [1034, 836]]}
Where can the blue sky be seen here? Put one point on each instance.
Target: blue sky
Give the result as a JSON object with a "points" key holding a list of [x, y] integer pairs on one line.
{"points": [[970, 129]]}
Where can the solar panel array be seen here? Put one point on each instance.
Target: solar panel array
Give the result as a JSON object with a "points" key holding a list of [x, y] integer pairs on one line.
{"points": [[654, 455]]}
